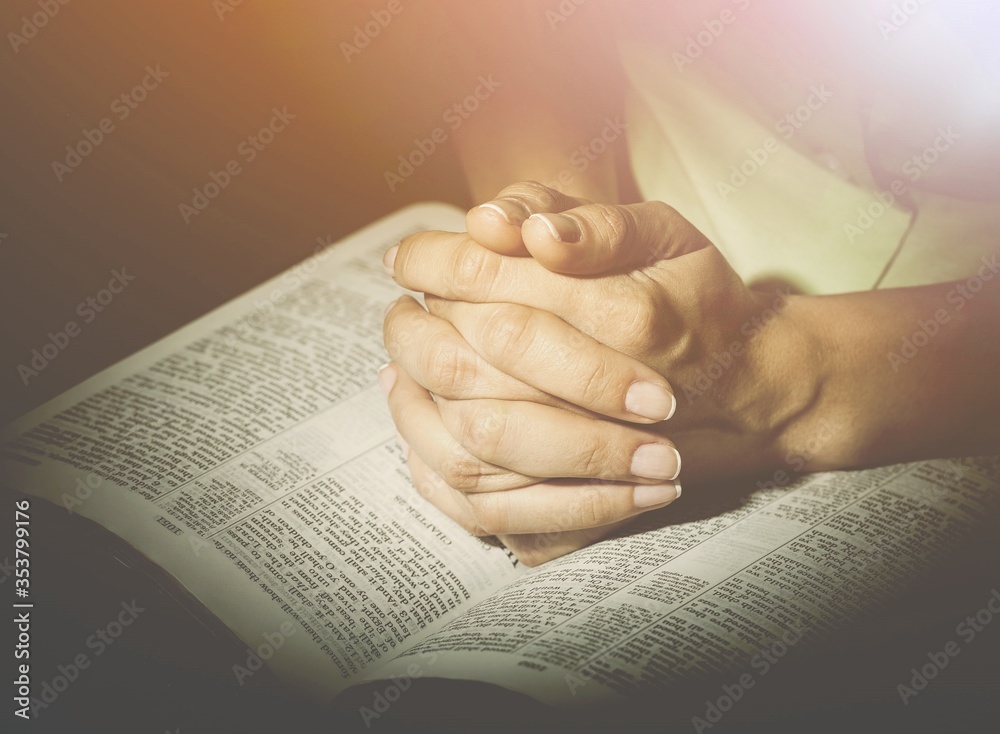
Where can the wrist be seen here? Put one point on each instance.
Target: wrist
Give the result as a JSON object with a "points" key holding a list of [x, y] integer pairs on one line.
{"points": [[798, 365], [762, 414]]}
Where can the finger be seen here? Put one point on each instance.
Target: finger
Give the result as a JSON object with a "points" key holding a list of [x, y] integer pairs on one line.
{"points": [[541, 441], [540, 508], [436, 491], [541, 350], [419, 422], [496, 225], [601, 238], [533, 549], [435, 354], [452, 266], [564, 505], [616, 310]]}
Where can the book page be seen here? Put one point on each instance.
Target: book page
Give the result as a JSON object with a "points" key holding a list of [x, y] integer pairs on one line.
{"points": [[715, 591], [252, 455]]}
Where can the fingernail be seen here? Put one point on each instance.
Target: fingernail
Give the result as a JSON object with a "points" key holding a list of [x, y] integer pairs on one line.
{"points": [[510, 212], [650, 401], [656, 461], [386, 378], [650, 495], [402, 444], [389, 259], [560, 227]]}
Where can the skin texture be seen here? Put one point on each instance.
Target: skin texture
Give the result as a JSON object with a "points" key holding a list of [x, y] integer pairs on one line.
{"points": [[519, 370], [516, 315]]}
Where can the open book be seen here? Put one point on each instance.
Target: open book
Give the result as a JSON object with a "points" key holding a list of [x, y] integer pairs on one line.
{"points": [[251, 455]]}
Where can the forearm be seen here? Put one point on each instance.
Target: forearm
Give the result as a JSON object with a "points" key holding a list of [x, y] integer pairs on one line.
{"points": [[901, 374]]}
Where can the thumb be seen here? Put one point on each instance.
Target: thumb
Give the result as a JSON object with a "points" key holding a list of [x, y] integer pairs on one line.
{"points": [[595, 239], [496, 225]]}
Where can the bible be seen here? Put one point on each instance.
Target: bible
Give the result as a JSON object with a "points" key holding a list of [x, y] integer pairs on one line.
{"points": [[252, 457]]}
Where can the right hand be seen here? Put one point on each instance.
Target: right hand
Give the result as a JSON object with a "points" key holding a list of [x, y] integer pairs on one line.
{"points": [[507, 476]]}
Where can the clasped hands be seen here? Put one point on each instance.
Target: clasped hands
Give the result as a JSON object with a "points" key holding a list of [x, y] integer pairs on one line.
{"points": [[557, 377]]}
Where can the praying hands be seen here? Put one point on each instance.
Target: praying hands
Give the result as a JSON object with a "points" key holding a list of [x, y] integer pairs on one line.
{"points": [[577, 361]]}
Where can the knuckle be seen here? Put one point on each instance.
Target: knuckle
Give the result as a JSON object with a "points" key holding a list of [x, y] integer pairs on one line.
{"points": [[626, 329], [647, 316], [482, 426], [593, 508], [616, 226], [474, 270], [462, 471], [594, 375], [593, 458], [448, 368], [535, 195], [640, 322], [508, 331], [402, 328], [412, 243]]}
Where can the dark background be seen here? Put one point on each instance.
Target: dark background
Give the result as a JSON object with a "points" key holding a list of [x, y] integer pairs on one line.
{"points": [[322, 177]]}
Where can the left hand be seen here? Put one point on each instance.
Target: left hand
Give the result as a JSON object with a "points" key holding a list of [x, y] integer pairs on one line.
{"points": [[483, 480], [537, 521], [737, 359], [670, 300]]}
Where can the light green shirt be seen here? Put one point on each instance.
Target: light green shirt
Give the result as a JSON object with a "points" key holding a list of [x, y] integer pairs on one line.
{"points": [[741, 128]]}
